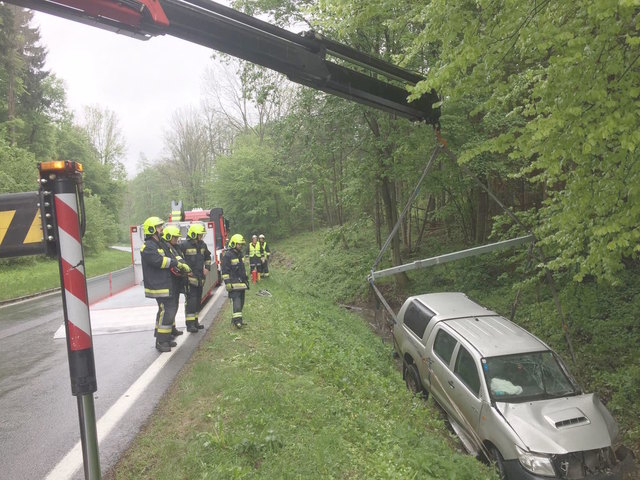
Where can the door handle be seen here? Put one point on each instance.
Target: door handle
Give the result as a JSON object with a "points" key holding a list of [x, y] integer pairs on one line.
{"points": [[451, 385]]}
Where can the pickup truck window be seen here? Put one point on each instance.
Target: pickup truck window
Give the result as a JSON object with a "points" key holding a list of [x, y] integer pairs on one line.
{"points": [[443, 346], [465, 369], [527, 377], [416, 319]]}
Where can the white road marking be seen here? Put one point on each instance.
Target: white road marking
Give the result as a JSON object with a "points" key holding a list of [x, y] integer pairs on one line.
{"points": [[72, 461]]}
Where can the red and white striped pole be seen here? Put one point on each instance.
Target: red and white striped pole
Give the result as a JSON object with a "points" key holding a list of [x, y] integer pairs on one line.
{"points": [[63, 208]]}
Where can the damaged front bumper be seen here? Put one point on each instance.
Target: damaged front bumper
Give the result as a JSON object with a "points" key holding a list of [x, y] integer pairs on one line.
{"points": [[591, 465]]}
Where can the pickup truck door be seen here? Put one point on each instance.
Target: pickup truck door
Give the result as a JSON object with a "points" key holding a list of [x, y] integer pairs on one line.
{"points": [[464, 388], [440, 348]]}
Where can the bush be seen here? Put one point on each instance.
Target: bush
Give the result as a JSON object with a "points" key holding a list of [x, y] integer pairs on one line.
{"points": [[101, 229]]}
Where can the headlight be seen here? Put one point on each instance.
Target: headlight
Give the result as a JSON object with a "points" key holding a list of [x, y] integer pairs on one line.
{"points": [[536, 462]]}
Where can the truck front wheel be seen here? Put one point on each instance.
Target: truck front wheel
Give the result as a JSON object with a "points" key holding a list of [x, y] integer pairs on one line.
{"points": [[499, 461]]}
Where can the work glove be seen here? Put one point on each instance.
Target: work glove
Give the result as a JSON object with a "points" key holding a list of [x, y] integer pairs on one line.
{"points": [[193, 280], [184, 268], [228, 286], [263, 259]]}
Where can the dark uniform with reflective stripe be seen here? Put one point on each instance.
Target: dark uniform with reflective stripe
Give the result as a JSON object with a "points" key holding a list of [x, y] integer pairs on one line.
{"points": [[197, 255], [235, 281], [178, 279], [156, 262]]}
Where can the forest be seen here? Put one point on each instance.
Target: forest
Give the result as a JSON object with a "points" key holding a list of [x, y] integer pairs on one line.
{"points": [[540, 102]]}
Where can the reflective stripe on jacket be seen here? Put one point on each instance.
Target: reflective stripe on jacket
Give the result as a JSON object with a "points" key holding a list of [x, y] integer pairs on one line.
{"points": [[156, 263], [233, 271], [196, 254], [179, 279]]}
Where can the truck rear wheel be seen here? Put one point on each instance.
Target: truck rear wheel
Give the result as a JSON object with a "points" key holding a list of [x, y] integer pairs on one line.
{"points": [[412, 380]]}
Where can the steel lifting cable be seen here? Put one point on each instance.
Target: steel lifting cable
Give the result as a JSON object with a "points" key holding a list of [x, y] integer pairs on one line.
{"points": [[437, 149], [414, 194], [384, 302], [441, 146], [536, 252]]}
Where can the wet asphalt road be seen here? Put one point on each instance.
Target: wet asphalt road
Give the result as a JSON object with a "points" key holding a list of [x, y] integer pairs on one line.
{"points": [[39, 421]]}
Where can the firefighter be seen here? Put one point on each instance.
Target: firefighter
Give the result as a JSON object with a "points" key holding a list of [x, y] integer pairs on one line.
{"points": [[253, 252], [264, 256], [156, 263], [171, 236], [197, 255], [235, 277]]}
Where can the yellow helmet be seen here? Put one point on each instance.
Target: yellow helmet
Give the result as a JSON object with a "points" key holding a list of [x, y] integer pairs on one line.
{"points": [[236, 239], [151, 224], [196, 229], [170, 232]]}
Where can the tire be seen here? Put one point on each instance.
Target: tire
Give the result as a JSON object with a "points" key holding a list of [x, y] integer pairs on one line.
{"points": [[499, 463], [412, 380]]}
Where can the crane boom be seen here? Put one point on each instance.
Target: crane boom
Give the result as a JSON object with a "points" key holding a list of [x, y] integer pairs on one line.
{"points": [[304, 59]]}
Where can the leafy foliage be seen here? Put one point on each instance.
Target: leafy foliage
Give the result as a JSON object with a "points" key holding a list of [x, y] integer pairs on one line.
{"points": [[567, 74], [250, 186], [101, 229], [35, 126], [18, 172]]}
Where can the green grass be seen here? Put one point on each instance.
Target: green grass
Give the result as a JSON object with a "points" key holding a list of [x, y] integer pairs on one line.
{"points": [[38, 274], [306, 390]]}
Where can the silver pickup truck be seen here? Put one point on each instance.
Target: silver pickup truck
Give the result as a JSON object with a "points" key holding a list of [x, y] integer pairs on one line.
{"points": [[507, 395]]}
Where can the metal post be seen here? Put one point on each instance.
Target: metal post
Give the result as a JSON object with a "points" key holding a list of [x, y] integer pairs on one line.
{"points": [[62, 206], [88, 436]]}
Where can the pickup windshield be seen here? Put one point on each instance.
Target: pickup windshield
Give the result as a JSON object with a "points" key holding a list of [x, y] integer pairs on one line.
{"points": [[526, 377]]}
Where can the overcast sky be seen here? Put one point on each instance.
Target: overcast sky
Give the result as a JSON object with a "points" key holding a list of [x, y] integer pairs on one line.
{"points": [[143, 82]]}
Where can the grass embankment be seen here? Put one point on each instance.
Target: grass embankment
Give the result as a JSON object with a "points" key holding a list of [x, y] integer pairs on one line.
{"points": [[28, 276], [306, 390]]}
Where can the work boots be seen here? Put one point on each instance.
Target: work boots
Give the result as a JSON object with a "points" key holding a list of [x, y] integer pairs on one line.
{"points": [[176, 333], [163, 347], [192, 329]]}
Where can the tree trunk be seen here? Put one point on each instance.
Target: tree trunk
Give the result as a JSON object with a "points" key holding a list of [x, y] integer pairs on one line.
{"points": [[313, 208], [481, 214], [12, 67], [377, 219], [327, 207], [389, 200]]}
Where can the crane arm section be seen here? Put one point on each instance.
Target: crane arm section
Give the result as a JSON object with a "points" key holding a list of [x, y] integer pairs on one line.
{"points": [[308, 59]]}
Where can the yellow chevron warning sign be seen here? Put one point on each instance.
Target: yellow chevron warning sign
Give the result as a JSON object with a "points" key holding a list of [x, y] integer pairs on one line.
{"points": [[20, 225]]}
